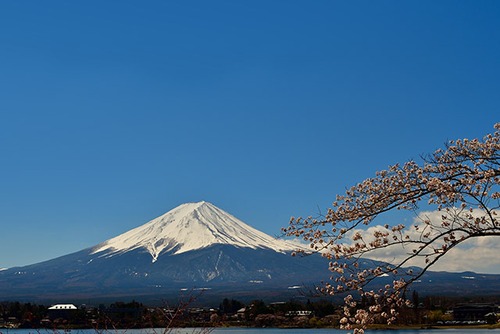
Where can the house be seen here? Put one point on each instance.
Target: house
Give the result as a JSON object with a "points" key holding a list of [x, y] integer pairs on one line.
{"points": [[240, 314], [300, 313], [63, 307], [64, 311], [474, 312]]}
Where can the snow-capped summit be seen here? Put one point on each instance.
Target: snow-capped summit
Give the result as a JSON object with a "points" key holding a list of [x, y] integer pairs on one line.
{"points": [[188, 227]]}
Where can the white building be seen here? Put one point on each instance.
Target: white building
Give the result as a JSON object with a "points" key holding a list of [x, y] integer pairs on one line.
{"points": [[63, 307]]}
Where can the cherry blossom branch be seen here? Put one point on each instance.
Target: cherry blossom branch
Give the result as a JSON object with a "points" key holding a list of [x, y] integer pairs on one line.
{"points": [[461, 182]]}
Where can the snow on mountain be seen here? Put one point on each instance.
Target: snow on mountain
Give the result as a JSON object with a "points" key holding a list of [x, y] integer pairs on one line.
{"points": [[189, 227]]}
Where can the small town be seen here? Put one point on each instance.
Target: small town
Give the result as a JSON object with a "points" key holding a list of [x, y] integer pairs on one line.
{"points": [[431, 312]]}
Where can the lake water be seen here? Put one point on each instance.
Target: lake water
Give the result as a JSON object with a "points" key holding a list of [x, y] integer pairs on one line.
{"points": [[250, 331]]}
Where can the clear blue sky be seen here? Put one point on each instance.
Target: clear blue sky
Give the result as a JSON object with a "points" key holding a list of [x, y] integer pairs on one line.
{"points": [[114, 112]]}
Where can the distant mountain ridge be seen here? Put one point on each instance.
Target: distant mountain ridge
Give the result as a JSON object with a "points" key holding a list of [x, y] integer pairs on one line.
{"points": [[195, 246]]}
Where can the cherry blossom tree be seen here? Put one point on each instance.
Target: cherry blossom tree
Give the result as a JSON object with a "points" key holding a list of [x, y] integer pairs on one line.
{"points": [[460, 182]]}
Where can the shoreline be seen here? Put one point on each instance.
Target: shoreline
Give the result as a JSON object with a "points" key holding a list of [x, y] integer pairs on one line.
{"points": [[369, 328], [436, 327]]}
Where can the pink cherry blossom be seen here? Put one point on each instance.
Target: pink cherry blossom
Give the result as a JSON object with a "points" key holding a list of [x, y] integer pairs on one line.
{"points": [[461, 181]]}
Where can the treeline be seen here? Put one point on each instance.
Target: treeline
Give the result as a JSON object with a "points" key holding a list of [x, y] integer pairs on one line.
{"points": [[230, 312], [15, 313]]}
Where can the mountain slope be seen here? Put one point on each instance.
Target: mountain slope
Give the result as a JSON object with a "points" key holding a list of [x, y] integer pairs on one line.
{"points": [[189, 227], [220, 268], [194, 245]]}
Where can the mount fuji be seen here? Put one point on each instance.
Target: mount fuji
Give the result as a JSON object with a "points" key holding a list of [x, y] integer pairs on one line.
{"points": [[195, 246], [189, 227]]}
